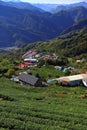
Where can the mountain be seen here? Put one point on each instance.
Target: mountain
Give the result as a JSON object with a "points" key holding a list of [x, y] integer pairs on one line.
{"points": [[55, 8], [78, 13], [76, 27], [22, 26], [20, 5], [84, 4], [46, 7], [69, 6], [73, 43]]}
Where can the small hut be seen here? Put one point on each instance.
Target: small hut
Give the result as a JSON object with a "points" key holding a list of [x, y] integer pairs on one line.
{"points": [[30, 80]]}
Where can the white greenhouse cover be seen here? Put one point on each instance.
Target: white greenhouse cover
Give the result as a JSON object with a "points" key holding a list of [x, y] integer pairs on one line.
{"points": [[84, 83]]}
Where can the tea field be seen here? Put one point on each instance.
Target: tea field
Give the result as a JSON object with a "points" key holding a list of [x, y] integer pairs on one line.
{"points": [[46, 108]]}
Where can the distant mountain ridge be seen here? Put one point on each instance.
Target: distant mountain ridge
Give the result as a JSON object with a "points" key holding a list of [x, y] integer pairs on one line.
{"points": [[47, 7], [69, 6], [20, 5], [24, 26], [55, 8]]}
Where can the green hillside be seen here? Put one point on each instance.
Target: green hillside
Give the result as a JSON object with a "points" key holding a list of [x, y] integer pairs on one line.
{"points": [[21, 26], [49, 108], [82, 24], [73, 43]]}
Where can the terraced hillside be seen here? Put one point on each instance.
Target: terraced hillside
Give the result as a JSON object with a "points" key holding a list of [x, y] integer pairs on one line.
{"points": [[46, 108]]}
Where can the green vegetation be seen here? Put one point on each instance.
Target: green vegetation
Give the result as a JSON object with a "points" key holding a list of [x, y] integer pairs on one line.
{"points": [[46, 72], [21, 26], [69, 45], [8, 64], [72, 42], [46, 108], [43, 108]]}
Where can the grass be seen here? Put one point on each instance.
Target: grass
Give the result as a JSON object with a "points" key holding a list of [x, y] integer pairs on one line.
{"points": [[46, 108], [46, 71]]}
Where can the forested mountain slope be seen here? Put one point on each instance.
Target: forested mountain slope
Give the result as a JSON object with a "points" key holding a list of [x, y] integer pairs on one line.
{"points": [[22, 26], [73, 43], [77, 26]]}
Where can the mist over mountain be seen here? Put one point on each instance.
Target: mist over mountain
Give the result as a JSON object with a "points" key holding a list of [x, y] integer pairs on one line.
{"points": [[69, 6], [54, 8], [47, 7]]}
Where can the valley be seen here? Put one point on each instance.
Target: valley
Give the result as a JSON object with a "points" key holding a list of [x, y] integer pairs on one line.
{"points": [[43, 66], [24, 26]]}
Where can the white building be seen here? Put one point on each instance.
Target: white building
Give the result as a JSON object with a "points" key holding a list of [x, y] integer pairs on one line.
{"points": [[73, 80]]}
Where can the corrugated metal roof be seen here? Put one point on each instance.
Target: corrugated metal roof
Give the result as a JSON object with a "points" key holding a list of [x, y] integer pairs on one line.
{"points": [[73, 77], [29, 79]]}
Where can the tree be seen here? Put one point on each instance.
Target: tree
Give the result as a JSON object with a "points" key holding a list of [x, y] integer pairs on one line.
{"points": [[10, 72], [41, 62], [67, 73]]}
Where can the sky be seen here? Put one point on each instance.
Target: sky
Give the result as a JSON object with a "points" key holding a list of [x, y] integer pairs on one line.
{"points": [[54, 1]]}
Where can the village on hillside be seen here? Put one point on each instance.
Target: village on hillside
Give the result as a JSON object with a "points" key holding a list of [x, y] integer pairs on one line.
{"points": [[32, 60]]}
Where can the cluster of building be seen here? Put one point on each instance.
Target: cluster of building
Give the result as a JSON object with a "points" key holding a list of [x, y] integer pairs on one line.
{"points": [[31, 58], [31, 80], [28, 60]]}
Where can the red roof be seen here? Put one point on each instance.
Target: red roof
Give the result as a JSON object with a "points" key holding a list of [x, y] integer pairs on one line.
{"points": [[21, 66], [25, 64]]}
